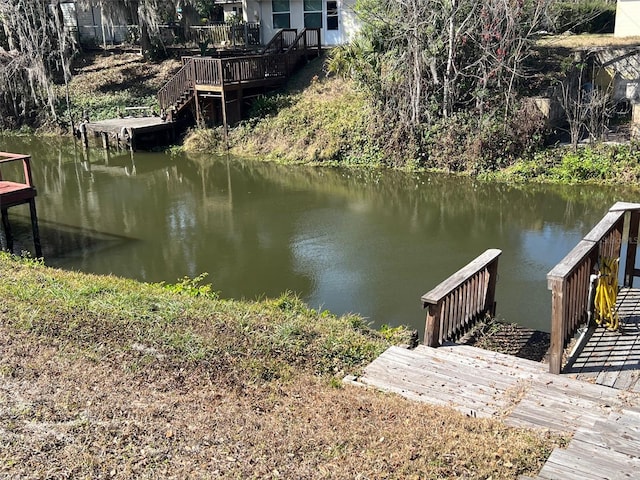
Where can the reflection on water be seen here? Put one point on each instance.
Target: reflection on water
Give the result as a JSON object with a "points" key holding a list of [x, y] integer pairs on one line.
{"points": [[370, 242]]}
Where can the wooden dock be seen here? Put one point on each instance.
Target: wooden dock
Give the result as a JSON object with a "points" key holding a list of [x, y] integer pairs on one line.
{"points": [[612, 358], [131, 132], [522, 393]]}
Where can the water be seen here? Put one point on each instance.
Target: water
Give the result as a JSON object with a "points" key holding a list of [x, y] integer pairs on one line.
{"points": [[368, 242]]}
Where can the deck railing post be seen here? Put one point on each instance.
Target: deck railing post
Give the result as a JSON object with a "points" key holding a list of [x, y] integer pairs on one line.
{"points": [[461, 300], [490, 306], [556, 347], [432, 327], [632, 248]]}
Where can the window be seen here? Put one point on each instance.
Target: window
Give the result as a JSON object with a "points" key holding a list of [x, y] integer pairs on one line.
{"points": [[313, 13], [332, 15], [281, 13]]}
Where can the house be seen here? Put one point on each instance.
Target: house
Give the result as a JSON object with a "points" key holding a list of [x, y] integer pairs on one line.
{"points": [[627, 18], [89, 25], [336, 18]]}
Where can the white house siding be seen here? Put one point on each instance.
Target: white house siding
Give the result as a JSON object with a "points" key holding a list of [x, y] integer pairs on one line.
{"points": [[627, 18], [348, 22]]}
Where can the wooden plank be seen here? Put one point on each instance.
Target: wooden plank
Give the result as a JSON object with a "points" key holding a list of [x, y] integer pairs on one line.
{"points": [[624, 206], [589, 461], [455, 280], [604, 226], [613, 440], [568, 264]]}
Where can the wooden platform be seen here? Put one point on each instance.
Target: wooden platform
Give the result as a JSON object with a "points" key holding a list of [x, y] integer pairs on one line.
{"points": [[521, 393], [129, 132], [613, 358]]}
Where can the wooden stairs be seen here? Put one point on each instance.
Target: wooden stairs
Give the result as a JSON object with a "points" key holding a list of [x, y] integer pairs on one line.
{"points": [[233, 79], [521, 393]]}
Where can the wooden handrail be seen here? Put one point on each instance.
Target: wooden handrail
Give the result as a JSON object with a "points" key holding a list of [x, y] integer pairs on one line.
{"points": [[569, 280], [280, 41], [180, 83], [287, 48], [6, 157], [461, 300], [17, 193]]}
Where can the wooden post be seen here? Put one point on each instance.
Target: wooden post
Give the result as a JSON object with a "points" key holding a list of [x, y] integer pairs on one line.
{"points": [[556, 348], [83, 135], [34, 228], [632, 248], [105, 140], [223, 99], [490, 301], [198, 112], [432, 327], [7, 230]]}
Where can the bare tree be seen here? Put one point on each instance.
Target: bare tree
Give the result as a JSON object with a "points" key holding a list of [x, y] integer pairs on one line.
{"points": [[34, 51], [438, 56], [586, 106]]}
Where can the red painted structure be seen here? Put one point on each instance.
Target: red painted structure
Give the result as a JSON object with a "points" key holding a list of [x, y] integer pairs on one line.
{"points": [[14, 193]]}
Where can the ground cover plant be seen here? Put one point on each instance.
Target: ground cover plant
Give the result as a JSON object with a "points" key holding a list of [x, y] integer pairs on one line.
{"points": [[102, 377]]}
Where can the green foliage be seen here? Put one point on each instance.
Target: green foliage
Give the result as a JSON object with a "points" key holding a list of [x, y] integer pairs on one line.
{"points": [[591, 16], [270, 104], [192, 287], [205, 140], [466, 142], [606, 164], [184, 323], [108, 105]]}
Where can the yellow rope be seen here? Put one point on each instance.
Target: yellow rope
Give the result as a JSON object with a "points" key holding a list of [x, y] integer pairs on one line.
{"points": [[606, 293]]}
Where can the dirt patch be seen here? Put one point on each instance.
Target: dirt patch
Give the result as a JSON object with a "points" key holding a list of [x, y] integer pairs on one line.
{"points": [[511, 339], [107, 72], [65, 414]]}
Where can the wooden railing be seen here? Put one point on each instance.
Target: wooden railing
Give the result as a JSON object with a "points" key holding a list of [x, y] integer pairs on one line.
{"points": [[242, 34], [177, 86], [282, 40], [291, 47], [570, 279], [461, 300], [305, 41], [14, 193]]}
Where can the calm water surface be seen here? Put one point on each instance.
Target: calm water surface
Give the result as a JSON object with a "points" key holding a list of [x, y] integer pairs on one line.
{"points": [[369, 242]]}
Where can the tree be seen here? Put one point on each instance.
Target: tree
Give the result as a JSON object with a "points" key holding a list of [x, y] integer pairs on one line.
{"points": [[425, 61], [35, 48]]}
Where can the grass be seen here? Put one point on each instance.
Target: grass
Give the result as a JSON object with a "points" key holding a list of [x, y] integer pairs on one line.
{"points": [[107, 377], [586, 40], [600, 163], [317, 120]]}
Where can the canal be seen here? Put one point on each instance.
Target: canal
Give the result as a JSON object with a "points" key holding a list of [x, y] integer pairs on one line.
{"points": [[369, 241]]}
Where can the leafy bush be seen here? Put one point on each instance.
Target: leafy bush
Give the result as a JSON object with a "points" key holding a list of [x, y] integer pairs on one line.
{"points": [[463, 142]]}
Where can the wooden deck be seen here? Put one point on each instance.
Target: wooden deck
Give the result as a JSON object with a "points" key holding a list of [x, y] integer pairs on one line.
{"points": [[127, 133], [612, 358], [605, 421]]}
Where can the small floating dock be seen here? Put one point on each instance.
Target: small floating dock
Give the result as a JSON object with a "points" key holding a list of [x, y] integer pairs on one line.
{"points": [[131, 132]]}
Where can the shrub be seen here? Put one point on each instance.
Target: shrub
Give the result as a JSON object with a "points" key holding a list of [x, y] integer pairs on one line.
{"points": [[465, 143]]}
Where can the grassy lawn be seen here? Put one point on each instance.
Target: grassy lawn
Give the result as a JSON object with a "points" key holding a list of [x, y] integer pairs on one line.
{"points": [[102, 377]]}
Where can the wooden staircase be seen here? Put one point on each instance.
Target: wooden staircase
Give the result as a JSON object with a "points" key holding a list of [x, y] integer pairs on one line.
{"points": [[610, 449], [479, 383], [215, 77]]}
